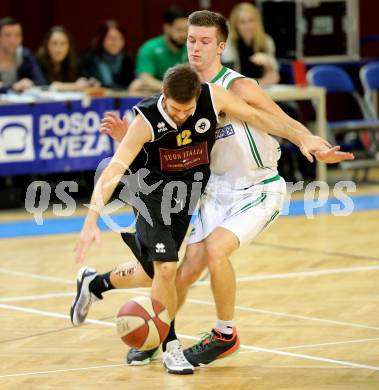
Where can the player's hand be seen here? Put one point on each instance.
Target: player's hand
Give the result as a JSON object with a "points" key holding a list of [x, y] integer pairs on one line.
{"points": [[89, 233], [333, 155], [310, 144], [114, 126]]}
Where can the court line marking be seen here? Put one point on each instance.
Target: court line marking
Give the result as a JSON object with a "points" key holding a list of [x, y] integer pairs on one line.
{"points": [[251, 348], [37, 276], [40, 297], [52, 314], [280, 314], [310, 357], [315, 251], [301, 274], [325, 367], [62, 370], [37, 297], [332, 343], [287, 275], [144, 291], [278, 348]]}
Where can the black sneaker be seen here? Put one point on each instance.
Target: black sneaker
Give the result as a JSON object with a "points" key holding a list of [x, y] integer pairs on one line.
{"points": [[84, 297], [135, 357], [211, 347]]}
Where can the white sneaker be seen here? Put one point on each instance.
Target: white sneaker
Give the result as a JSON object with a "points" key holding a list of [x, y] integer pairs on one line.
{"points": [[174, 359], [84, 298]]}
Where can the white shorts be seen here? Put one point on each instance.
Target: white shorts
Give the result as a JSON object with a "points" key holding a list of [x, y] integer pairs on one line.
{"points": [[245, 213]]}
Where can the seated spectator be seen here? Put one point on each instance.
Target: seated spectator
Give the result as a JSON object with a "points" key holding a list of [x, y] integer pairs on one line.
{"points": [[57, 60], [250, 50], [107, 61], [158, 54], [18, 68]]}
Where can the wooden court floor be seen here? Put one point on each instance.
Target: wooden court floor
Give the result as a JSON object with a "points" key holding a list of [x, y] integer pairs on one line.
{"points": [[307, 313]]}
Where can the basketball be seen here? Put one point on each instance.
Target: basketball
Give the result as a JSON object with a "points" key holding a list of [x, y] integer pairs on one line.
{"points": [[143, 323]]}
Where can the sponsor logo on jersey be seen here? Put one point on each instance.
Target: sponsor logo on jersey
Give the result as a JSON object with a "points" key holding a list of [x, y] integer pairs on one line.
{"points": [[184, 158], [225, 131], [202, 125], [161, 127]]}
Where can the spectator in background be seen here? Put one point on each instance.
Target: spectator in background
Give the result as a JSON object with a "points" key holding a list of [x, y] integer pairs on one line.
{"points": [[250, 50], [158, 54], [108, 62], [57, 60], [18, 68]]}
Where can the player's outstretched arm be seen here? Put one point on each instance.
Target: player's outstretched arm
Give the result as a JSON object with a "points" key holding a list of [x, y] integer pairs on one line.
{"points": [[255, 96], [266, 122], [139, 133], [273, 124]]}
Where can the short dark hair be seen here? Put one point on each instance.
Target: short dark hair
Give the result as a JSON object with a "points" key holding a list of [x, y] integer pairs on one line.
{"points": [[206, 18], [173, 13], [181, 83], [8, 21]]}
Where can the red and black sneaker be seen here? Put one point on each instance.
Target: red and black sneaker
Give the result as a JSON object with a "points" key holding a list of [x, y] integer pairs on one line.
{"points": [[211, 347]]}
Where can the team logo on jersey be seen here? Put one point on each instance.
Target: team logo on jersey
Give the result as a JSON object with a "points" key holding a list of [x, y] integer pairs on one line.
{"points": [[161, 127], [202, 125], [225, 131]]}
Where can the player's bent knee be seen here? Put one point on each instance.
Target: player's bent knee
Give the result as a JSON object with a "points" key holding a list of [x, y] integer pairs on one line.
{"points": [[165, 270], [214, 255]]}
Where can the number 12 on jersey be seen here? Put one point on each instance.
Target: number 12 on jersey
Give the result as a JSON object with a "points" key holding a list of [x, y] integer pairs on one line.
{"points": [[183, 138]]}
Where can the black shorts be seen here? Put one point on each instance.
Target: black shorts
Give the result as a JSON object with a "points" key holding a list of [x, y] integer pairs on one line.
{"points": [[162, 220], [161, 236]]}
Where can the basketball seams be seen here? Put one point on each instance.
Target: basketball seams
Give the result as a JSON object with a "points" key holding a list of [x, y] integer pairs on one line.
{"points": [[143, 323], [135, 307], [157, 306], [137, 336], [162, 327]]}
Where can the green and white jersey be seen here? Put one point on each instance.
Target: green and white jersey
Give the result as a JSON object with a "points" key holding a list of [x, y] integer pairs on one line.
{"points": [[242, 155]]}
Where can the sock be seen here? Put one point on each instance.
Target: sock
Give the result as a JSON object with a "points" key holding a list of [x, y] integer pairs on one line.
{"points": [[100, 284], [225, 328], [171, 335]]}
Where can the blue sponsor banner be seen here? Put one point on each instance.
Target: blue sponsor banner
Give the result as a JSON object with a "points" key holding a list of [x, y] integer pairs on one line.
{"points": [[56, 137]]}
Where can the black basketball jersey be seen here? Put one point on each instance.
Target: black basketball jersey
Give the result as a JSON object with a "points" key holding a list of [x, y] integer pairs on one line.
{"points": [[177, 152]]}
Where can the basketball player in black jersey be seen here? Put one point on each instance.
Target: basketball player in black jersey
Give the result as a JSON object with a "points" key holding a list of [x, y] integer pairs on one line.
{"points": [[172, 137]]}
